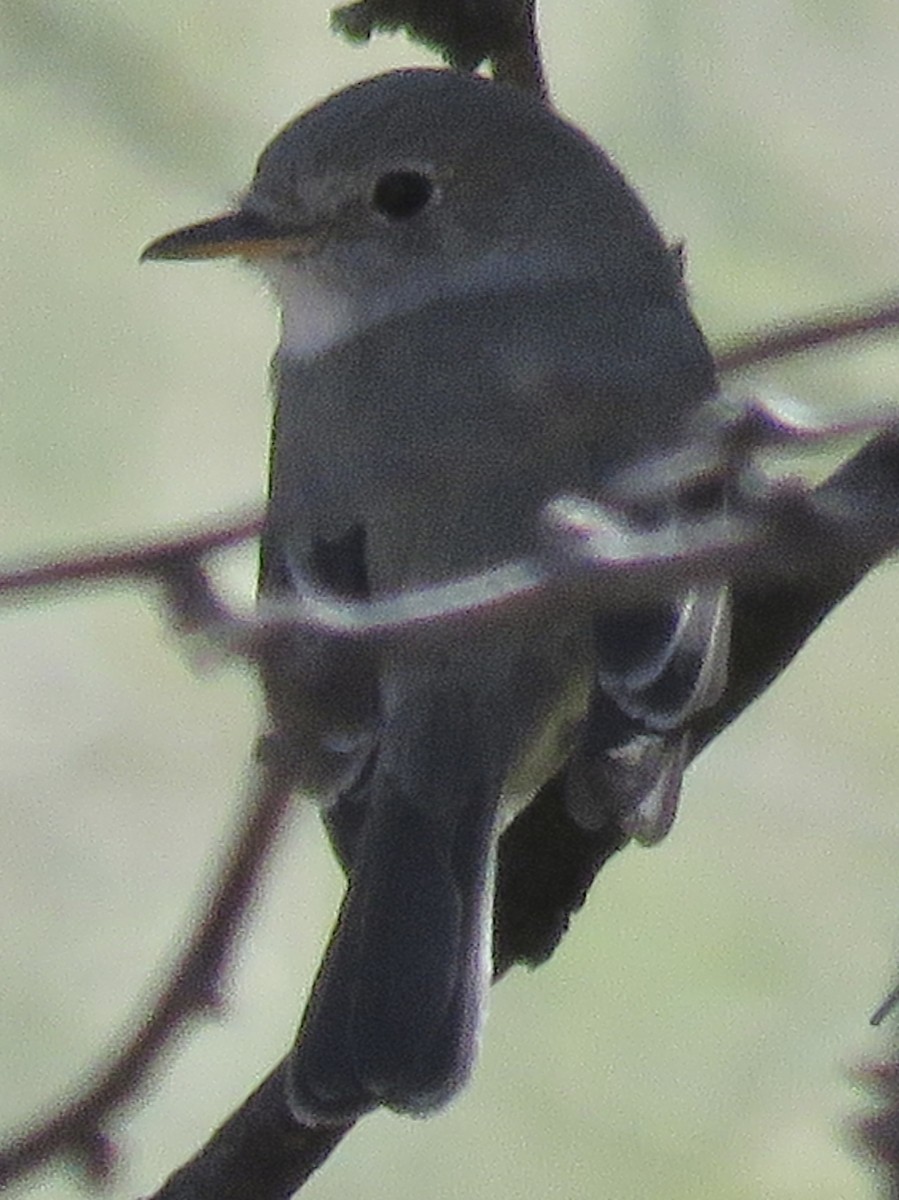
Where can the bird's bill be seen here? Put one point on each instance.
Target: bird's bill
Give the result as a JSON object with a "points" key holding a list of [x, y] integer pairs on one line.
{"points": [[245, 234]]}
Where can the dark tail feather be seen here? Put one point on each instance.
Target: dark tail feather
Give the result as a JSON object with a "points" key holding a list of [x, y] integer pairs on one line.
{"points": [[395, 1011]]}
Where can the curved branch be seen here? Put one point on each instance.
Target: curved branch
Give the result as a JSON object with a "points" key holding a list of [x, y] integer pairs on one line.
{"points": [[193, 988]]}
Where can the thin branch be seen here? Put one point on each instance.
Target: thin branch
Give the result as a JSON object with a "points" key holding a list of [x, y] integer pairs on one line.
{"points": [[133, 560], [519, 61], [596, 563], [603, 555], [814, 333], [193, 988]]}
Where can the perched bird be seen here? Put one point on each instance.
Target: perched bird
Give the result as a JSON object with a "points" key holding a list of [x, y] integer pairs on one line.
{"points": [[477, 315]]}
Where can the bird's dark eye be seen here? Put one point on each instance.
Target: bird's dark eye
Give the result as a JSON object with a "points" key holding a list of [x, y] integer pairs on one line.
{"points": [[401, 194]]}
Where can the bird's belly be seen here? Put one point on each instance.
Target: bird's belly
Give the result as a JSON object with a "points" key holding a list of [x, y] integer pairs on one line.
{"points": [[550, 745]]}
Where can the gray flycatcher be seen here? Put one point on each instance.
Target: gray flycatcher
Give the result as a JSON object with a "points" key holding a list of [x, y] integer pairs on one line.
{"points": [[477, 315]]}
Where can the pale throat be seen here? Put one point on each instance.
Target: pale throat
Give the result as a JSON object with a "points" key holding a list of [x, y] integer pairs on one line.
{"points": [[315, 315], [318, 314]]}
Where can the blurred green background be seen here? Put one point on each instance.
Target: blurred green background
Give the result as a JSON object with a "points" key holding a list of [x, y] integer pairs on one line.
{"points": [[692, 1037]]}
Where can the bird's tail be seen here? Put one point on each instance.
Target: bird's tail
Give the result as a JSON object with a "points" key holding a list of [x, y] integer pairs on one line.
{"points": [[396, 1009]]}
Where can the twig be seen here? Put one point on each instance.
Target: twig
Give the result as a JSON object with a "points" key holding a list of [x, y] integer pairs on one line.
{"points": [[814, 333], [192, 989], [149, 557]]}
